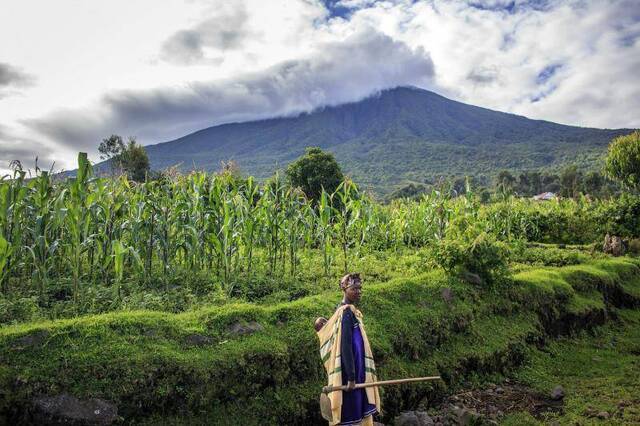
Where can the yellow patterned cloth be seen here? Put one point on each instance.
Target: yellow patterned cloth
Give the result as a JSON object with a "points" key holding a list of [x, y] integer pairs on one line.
{"points": [[329, 336]]}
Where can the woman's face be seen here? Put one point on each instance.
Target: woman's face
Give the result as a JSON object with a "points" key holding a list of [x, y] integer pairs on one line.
{"points": [[354, 291]]}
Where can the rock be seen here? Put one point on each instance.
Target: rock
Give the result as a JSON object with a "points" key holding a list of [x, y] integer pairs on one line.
{"points": [[32, 340], [499, 390], [557, 393], [603, 415], [447, 294], [466, 417], [590, 412], [472, 278], [413, 418], [378, 424], [613, 245], [67, 409], [406, 419], [425, 419], [240, 329], [198, 340]]}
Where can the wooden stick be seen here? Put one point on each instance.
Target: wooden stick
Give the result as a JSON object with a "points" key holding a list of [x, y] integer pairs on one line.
{"points": [[329, 389]]}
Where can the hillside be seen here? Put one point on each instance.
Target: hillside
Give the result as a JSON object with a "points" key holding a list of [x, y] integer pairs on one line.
{"points": [[397, 136], [259, 364]]}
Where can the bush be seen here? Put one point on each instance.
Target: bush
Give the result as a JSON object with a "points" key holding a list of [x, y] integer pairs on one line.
{"points": [[483, 255], [619, 217], [18, 310]]}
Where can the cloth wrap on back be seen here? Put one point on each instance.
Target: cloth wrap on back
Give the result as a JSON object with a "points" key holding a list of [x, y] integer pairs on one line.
{"points": [[330, 336]]}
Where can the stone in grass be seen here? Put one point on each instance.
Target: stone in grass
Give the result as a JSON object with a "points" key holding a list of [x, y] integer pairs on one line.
{"points": [[557, 393], [240, 329], [67, 409], [198, 340], [603, 415], [466, 417], [413, 418]]}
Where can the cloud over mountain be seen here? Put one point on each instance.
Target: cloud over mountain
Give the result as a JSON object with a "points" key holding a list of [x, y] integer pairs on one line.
{"points": [[335, 73], [195, 64]]}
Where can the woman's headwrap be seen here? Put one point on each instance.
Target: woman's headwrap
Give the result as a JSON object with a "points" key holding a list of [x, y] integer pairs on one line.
{"points": [[349, 280]]}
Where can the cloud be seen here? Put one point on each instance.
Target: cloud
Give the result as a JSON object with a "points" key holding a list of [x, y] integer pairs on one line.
{"points": [[14, 146], [509, 6], [12, 78], [484, 75], [226, 30], [337, 72], [568, 61]]}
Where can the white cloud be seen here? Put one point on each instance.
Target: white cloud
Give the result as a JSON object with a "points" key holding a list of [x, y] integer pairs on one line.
{"points": [[336, 72], [160, 70], [488, 55]]}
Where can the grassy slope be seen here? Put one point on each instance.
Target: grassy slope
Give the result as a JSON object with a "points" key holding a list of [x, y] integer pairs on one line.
{"points": [[599, 372], [141, 360]]}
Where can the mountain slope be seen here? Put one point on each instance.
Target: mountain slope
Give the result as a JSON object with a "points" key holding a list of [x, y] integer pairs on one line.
{"points": [[400, 135]]}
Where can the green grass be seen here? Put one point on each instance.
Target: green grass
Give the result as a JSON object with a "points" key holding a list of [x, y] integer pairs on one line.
{"points": [[598, 372], [141, 360]]}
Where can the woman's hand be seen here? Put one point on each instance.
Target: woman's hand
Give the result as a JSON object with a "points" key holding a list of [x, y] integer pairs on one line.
{"points": [[350, 386]]}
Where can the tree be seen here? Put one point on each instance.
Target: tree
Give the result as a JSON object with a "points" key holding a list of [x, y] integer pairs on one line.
{"points": [[505, 182], [129, 158], [593, 183], [550, 183], [570, 181], [110, 150], [623, 160], [314, 171]]}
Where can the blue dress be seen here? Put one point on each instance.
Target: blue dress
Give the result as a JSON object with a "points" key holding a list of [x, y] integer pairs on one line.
{"points": [[355, 405]]}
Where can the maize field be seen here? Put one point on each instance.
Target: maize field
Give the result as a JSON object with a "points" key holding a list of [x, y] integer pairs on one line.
{"points": [[96, 231]]}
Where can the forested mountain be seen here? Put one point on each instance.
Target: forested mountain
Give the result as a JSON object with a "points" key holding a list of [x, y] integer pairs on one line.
{"points": [[398, 136]]}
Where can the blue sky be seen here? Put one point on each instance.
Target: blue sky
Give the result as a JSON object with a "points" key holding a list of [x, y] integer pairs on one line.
{"points": [[76, 72]]}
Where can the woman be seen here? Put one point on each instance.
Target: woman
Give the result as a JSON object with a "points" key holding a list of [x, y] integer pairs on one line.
{"points": [[345, 349]]}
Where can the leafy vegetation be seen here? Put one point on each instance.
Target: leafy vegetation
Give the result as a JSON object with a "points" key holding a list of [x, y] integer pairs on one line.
{"points": [[314, 172], [623, 160], [91, 244], [130, 158]]}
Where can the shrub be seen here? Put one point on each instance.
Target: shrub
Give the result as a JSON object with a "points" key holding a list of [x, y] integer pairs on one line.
{"points": [[18, 310], [482, 255]]}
